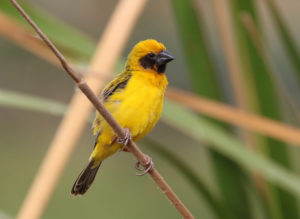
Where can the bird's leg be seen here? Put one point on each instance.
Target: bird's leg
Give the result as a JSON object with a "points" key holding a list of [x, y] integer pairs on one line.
{"points": [[124, 140], [148, 167]]}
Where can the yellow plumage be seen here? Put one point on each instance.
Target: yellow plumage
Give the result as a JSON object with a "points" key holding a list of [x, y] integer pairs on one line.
{"points": [[135, 99]]}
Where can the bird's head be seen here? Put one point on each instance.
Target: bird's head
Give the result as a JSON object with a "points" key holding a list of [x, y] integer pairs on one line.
{"points": [[149, 55]]}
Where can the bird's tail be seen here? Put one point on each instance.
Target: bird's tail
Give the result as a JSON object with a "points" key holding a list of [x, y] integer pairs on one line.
{"points": [[85, 178]]}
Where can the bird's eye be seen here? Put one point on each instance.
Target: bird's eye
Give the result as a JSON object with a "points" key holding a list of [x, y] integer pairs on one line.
{"points": [[151, 55]]}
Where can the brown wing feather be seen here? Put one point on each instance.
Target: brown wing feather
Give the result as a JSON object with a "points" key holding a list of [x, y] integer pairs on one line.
{"points": [[118, 83], [115, 85]]}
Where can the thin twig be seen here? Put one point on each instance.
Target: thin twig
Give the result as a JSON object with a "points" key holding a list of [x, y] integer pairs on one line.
{"points": [[142, 158], [231, 52]]}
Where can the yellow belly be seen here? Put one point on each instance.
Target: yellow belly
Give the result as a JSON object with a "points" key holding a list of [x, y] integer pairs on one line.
{"points": [[138, 108]]}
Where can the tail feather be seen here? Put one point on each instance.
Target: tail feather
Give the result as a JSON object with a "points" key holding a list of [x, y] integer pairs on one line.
{"points": [[85, 179]]}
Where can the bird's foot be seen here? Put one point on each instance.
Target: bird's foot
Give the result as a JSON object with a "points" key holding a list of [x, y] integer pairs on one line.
{"points": [[148, 167], [124, 140]]}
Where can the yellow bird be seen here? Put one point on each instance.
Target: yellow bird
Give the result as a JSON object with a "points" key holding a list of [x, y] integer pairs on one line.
{"points": [[135, 99]]}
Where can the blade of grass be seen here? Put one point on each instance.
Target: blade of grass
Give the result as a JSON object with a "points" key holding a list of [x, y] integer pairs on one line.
{"points": [[204, 79]]}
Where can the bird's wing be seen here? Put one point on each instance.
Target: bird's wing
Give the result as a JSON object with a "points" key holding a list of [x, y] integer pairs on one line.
{"points": [[118, 84]]}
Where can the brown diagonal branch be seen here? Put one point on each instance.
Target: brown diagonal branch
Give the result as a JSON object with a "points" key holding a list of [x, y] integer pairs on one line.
{"points": [[108, 117]]}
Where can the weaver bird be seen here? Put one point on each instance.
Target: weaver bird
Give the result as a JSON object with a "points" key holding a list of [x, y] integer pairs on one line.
{"points": [[135, 99]]}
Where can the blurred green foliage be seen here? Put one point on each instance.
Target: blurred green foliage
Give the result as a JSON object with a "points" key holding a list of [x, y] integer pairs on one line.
{"points": [[233, 193]]}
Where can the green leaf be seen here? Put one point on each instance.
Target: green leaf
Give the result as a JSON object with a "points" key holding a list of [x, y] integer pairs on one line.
{"points": [[71, 41]]}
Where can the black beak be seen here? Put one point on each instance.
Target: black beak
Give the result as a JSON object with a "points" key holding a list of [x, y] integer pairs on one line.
{"points": [[164, 57]]}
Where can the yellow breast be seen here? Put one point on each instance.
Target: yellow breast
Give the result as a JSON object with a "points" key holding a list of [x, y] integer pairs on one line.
{"points": [[139, 106]]}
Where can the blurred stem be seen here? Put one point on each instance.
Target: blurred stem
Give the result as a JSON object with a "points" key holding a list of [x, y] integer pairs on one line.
{"points": [[231, 53], [236, 72]]}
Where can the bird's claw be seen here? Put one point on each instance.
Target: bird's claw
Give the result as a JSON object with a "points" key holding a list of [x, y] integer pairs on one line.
{"points": [[124, 141], [148, 166]]}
